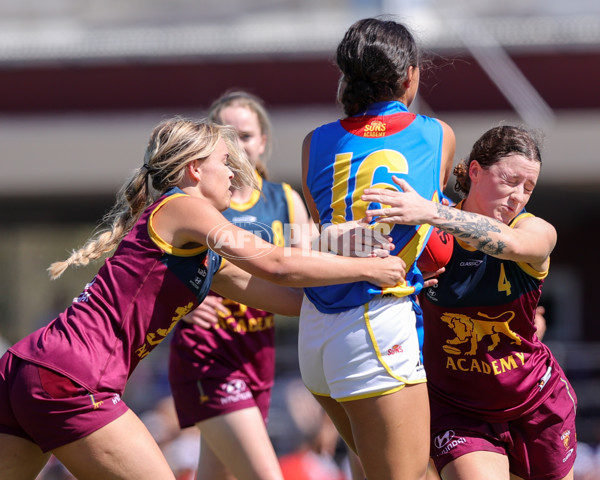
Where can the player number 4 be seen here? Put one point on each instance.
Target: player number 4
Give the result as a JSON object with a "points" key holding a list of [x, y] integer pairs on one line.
{"points": [[503, 283]]}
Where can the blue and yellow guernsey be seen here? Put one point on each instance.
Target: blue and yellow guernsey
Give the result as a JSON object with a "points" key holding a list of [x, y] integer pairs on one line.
{"points": [[365, 151], [268, 213]]}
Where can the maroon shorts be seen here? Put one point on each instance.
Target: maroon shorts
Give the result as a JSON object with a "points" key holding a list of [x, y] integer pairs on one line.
{"points": [[541, 445], [211, 397], [49, 409]]}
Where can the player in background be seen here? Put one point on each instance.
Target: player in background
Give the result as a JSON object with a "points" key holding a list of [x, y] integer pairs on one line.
{"points": [[500, 403], [223, 344], [358, 346], [61, 386]]}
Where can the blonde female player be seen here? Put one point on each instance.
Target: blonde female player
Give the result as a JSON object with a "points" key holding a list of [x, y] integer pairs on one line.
{"points": [[61, 386], [358, 346]]}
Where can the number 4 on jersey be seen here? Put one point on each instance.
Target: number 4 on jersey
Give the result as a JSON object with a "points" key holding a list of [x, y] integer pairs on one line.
{"points": [[503, 283]]}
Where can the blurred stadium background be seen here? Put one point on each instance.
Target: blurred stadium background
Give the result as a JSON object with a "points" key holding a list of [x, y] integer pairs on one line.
{"points": [[83, 82]]}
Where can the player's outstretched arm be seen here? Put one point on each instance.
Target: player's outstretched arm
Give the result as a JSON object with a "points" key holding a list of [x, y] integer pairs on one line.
{"points": [[531, 240], [192, 220], [233, 282]]}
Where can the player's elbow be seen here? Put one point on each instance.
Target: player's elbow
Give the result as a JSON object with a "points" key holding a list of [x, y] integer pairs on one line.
{"points": [[531, 250], [279, 270]]}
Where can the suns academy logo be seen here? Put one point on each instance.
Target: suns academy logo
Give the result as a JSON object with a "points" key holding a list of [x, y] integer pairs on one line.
{"points": [[376, 128], [373, 126]]}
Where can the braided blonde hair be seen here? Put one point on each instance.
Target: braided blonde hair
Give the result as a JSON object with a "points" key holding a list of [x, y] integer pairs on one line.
{"points": [[173, 144]]}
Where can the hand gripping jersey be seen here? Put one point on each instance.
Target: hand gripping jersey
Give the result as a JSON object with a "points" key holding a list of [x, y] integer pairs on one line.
{"points": [[365, 151], [480, 348], [244, 339], [134, 301]]}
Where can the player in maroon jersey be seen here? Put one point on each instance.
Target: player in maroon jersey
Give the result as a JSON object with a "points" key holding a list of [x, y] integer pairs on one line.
{"points": [[61, 386], [500, 403]]}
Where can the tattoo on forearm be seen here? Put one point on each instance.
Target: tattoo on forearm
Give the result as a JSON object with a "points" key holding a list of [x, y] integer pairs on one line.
{"points": [[470, 226]]}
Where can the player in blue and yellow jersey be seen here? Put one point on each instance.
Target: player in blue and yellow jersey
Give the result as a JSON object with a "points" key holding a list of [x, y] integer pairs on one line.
{"points": [[358, 345], [500, 403], [225, 343], [61, 386]]}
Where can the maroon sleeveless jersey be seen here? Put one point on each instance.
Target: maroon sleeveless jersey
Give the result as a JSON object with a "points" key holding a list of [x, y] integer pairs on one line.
{"points": [[480, 350], [136, 298]]}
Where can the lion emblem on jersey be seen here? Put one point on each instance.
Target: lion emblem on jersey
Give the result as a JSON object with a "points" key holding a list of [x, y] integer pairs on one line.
{"points": [[473, 330]]}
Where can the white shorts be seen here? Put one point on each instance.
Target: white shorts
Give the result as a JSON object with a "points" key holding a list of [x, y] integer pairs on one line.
{"points": [[365, 352]]}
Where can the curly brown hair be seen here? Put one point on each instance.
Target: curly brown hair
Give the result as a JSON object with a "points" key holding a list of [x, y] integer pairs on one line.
{"points": [[496, 143]]}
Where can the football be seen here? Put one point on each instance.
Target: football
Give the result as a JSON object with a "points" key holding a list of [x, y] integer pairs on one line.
{"points": [[451, 350], [437, 251]]}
